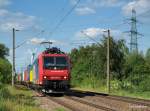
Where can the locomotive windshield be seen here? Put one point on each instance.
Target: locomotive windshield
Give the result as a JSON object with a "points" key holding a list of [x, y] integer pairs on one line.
{"points": [[55, 63], [61, 61], [48, 61]]}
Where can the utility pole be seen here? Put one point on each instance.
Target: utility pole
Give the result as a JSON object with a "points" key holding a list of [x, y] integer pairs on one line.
{"points": [[13, 64], [108, 60]]}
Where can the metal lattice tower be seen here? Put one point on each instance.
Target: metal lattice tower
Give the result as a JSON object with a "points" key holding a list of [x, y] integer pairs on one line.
{"points": [[134, 33]]}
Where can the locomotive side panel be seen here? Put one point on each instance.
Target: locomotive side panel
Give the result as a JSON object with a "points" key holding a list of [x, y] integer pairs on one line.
{"points": [[40, 70]]}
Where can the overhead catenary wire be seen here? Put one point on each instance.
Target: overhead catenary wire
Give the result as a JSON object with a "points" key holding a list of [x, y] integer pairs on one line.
{"points": [[21, 44], [52, 22], [113, 27], [141, 15], [60, 13], [64, 17], [59, 23], [90, 38]]}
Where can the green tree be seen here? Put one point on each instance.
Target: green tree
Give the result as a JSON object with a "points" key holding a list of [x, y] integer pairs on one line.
{"points": [[90, 61], [3, 51], [137, 72], [5, 66], [5, 71], [148, 56], [117, 53]]}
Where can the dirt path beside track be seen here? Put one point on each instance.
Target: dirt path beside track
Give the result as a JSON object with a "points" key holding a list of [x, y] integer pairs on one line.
{"points": [[49, 105]]}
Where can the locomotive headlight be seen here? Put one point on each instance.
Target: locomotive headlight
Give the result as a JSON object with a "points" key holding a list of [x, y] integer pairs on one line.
{"points": [[45, 77], [65, 77]]}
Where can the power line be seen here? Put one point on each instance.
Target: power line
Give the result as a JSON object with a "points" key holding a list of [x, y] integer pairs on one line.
{"points": [[52, 22], [59, 13], [43, 30], [64, 17], [118, 25], [140, 15], [90, 38]]}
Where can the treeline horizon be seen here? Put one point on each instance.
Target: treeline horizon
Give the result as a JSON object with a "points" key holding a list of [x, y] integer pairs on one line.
{"points": [[128, 70]]}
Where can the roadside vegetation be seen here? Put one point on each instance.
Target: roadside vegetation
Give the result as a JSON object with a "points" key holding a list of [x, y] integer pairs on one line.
{"points": [[59, 109], [5, 66], [130, 71], [11, 98], [17, 99]]}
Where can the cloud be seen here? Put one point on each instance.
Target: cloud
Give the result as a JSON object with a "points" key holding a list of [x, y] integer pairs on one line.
{"points": [[4, 2], [92, 32], [90, 6], [57, 42], [141, 6], [73, 2], [95, 32], [18, 20], [36, 40], [3, 12], [85, 10], [107, 3]]}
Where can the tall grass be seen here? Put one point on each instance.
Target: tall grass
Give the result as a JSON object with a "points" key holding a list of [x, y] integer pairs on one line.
{"points": [[13, 99], [90, 83], [96, 85]]}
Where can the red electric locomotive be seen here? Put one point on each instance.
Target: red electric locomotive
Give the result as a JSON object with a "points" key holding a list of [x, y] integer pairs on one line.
{"points": [[51, 71]]}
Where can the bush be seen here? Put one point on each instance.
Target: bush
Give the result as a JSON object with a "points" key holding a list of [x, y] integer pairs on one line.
{"points": [[5, 71], [115, 84], [3, 107], [4, 92], [145, 84]]}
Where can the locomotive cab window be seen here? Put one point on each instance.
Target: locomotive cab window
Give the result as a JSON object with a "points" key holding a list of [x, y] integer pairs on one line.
{"points": [[59, 63], [48, 61]]}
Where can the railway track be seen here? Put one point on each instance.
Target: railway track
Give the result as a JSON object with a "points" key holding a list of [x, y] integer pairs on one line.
{"points": [[63, 104], [79, 101], [129, 100], [114, 97], [83, 101], [91, 104], [88, 103]]}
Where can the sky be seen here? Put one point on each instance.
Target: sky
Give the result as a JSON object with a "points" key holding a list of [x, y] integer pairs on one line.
{"points": [[67, 23]]}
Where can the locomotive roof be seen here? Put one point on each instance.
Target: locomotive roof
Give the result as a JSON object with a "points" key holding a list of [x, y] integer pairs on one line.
{"points": [[54, 54], [54, 51]]}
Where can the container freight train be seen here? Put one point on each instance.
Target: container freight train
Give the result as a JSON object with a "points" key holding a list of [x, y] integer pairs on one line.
{"points": [[50, 71]]}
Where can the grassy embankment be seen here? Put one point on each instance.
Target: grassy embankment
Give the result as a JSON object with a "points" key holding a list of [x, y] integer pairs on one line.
{"points": [[17, 99], [59, 109], [97, 86], [140, 95]]}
